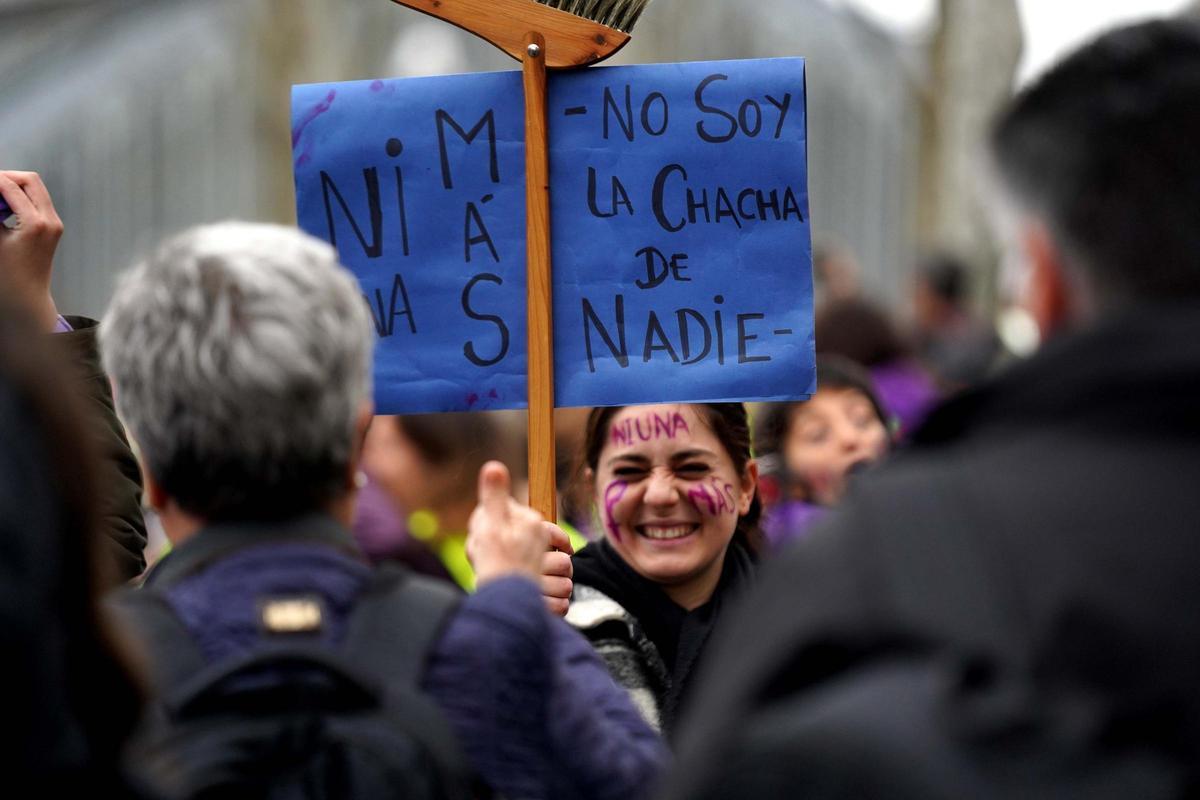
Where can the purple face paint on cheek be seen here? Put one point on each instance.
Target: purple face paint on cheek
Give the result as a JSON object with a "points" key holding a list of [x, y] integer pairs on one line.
{"points": [[723, 506], [716, 502], [700, 493], [724, 498], [612, 495], [729, 494]]}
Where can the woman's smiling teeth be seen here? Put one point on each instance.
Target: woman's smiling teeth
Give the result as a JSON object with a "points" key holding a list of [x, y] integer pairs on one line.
{"points": [[673, 531]]}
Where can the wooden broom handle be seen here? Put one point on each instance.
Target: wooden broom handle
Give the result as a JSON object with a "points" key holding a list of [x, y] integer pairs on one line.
{"points": [[543, 496]]}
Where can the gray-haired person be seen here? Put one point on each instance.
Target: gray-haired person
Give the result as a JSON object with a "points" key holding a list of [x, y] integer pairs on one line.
{"points": [[241, 357]]}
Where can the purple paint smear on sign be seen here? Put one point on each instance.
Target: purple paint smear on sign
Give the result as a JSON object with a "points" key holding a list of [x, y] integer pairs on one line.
{"points": [[314, 112]]}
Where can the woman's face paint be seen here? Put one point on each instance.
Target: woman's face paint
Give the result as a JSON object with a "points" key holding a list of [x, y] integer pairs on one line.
{"points": [[715, 498], [646, 427], [612, 495], [670, 496]]}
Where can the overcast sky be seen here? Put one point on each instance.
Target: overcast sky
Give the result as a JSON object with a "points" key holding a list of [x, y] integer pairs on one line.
{"points": [[1052, 27]]}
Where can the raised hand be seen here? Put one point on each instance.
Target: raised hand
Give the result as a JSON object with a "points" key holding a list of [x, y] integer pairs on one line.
{"points": [[555, 582], [28, 240], [503, 536]]}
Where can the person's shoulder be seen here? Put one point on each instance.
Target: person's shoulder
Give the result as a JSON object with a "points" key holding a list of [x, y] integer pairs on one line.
{"points": [[850, 566], [608, 625], [916, 483], [910, 496], [879, 502], [78, 345], [591, 608]]}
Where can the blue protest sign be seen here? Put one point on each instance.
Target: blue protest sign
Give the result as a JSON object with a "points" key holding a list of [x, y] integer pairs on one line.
{"points": [[681, 241], [681, 238], [419, 184]]}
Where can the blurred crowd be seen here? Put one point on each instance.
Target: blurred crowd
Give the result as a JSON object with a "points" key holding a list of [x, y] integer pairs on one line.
{"points": [[950, 572]]}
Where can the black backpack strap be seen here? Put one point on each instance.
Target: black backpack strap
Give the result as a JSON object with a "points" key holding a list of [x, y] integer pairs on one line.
{"points": [[392, 630], [396, 621], [174, 655]]}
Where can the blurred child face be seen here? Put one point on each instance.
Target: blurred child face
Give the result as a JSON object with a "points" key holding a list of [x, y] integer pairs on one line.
{"points": [[669, 497], [395, 463], [834, 431]]}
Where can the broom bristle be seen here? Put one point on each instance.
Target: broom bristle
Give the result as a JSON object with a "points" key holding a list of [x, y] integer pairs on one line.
{"points": [[618, 14]]}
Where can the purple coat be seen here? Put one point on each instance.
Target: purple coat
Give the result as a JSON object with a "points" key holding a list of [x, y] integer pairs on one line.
{"points": [[788, 521], [907, 391], [532, 704]]}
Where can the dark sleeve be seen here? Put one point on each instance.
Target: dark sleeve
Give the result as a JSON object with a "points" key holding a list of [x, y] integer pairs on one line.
{"points": [[900, 573], [811, 610], [121, 479], [533, 706]]}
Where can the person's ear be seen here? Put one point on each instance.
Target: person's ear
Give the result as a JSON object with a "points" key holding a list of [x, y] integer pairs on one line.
{"points": [[177, 524], [749, 484], [156, 497], [1047, 293], [362, 423]]}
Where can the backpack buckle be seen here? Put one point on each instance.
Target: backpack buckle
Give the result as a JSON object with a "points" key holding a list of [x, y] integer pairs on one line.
{"points": [[298, 614]]}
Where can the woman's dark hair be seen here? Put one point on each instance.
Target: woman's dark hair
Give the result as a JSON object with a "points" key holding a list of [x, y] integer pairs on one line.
{"points": [[860, 331], [833, 372], [728, 421], [71, 695]]}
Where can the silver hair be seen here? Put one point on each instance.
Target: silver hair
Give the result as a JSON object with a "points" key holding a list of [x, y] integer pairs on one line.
{"points": [[241, 357]]}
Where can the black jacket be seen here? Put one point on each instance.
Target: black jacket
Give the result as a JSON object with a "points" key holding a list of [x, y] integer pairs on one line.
{"points": [[1009, 609], [70, 705], [121, 479]]}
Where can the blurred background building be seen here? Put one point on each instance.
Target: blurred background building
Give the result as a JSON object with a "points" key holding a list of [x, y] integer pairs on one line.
{"points": [[146, 116]]}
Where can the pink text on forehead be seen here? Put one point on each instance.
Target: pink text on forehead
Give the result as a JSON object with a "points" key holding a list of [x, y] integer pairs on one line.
{"points": [[717, 501], [612, 495], [647, 427]]}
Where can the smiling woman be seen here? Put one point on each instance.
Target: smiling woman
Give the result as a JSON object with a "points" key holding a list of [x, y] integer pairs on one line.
{"points": [[676, 491]]}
